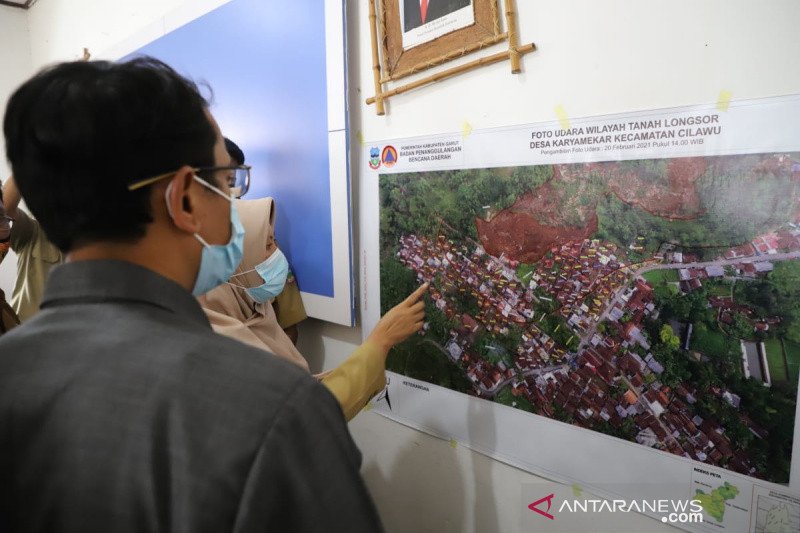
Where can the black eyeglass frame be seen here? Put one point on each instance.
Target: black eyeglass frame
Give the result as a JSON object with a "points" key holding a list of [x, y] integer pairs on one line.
{"points": [[200, 170]]}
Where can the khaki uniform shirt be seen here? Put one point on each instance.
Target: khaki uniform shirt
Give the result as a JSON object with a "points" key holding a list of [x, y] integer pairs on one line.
{"points": [[36, 255]]}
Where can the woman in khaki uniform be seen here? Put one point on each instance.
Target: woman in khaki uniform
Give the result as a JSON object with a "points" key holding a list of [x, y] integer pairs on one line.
{"points": [[233, 312], [288, 305], [8, 318]]}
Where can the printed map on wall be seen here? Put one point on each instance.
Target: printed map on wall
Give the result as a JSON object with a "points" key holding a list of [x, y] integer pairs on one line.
{"points": [[614, 302], [657, 300]]}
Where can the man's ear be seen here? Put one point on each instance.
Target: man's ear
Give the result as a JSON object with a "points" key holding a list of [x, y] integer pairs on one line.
{"points": [[179, 201]]}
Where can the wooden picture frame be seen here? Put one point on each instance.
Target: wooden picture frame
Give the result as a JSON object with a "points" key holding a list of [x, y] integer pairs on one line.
{"points": [[393, 61]]}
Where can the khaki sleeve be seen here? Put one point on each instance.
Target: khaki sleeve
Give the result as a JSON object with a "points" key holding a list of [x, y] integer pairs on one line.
{"points": [[23, 230], [360, 377]]}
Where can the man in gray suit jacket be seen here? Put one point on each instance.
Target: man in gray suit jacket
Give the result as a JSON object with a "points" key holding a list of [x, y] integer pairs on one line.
{"points": [[121, 410], [434, 9]]}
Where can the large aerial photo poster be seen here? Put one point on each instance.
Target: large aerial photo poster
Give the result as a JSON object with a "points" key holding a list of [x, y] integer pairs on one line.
{"points": [[638, 298], [629, 282]]}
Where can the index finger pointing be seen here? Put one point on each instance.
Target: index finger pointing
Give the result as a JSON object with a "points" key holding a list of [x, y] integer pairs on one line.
{"points": [[417, 294]]}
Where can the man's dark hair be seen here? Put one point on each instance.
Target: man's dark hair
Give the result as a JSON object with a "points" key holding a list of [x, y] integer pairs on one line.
{"points": [[77, 134], [234, 151]]}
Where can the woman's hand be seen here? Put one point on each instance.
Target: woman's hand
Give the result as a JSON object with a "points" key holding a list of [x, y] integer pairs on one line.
{"points": [[400, 322]]}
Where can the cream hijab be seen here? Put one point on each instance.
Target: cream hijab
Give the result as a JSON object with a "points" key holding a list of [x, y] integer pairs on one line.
{"points": [[230, 310]]}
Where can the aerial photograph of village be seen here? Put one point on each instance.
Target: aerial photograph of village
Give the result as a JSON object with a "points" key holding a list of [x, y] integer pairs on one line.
{"points": [[657, 301]]}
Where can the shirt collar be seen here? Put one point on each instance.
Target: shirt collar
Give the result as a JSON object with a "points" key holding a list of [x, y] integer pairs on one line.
{"points": [[110, 280]]}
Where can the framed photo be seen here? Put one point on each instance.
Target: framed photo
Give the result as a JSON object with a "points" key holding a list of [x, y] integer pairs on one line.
{"points": [[416, 35], [420, 34]]}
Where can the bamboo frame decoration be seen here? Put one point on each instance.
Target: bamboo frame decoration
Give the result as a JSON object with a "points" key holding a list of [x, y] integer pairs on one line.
{"points": [[24, 5], [391, 62]]}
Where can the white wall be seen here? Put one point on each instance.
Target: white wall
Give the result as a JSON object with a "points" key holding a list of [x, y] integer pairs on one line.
{"points": [[593, 58], [604, 57], [61, 29], [15, 66], [15, 61]]}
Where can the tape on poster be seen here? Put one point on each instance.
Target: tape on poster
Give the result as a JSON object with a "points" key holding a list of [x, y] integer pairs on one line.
{"points": [[466, 129], [563, 119], [724, 100]]}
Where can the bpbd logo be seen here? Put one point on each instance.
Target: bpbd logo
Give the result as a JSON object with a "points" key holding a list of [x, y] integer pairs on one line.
{"points": [[389, 156], [374, 157]]}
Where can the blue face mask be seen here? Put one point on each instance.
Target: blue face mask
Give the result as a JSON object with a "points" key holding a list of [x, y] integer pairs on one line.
{"points": [[218, 261], [274, 272]]}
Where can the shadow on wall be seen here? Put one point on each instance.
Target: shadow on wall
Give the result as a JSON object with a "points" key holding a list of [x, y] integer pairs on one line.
{"points": [[326, 345], [481, 428], [423, 490]]}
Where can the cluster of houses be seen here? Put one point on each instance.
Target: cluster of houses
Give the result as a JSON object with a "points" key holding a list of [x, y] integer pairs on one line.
{"points": [[626, 316], [651, 413], [727, 308], [608, 381], [785, 240], [692, 278], [754, 255], [755, 262], [614, 385], [503, 301], [581, 276], [488, 280]]}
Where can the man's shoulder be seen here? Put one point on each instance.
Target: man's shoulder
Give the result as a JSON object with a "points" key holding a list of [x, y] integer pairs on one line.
{"points": [[213, 354], [164, 340], [207, 373], [242, 370], [220, 347]]}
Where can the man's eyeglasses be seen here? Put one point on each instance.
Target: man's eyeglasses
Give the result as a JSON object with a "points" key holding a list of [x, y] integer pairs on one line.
{"points": [[238, 178]]}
